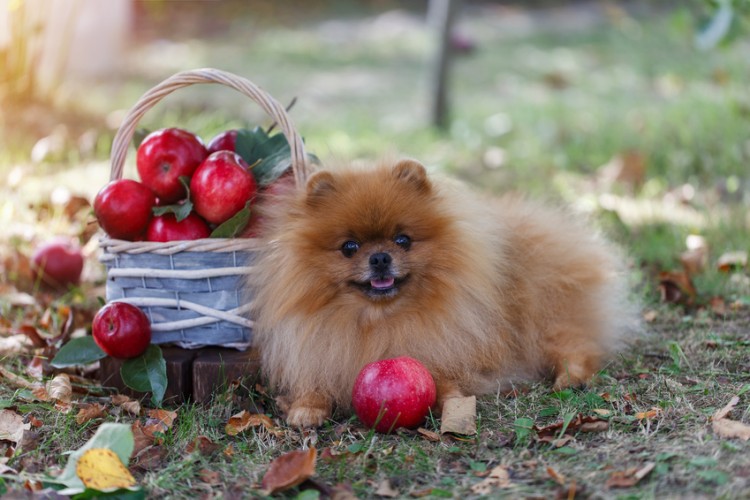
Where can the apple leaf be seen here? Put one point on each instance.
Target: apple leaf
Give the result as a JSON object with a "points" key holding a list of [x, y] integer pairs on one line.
{"points": [[234, 225], [180, 210], [246, 143], [78, 351], [147, 373]]}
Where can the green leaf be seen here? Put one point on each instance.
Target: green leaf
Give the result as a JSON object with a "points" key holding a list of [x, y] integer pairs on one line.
{"points": [[272, 167], [234, 225], [135, 493], [523, 427], [78, 351], [714, 476], [180, 210], [566, 450], [308, 495], [116, 437], [246, 143], [138, 136], [550, 411], [147, 373]]}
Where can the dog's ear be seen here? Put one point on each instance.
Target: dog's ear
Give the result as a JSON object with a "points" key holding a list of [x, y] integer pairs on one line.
{"points": [[319, 185], [414, 173]]}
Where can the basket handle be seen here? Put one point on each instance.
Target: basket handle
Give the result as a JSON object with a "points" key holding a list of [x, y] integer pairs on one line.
{"points": [[271, 106]]}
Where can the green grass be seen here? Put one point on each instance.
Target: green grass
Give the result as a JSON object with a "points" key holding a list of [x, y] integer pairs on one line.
{"points": [[556, 104]]}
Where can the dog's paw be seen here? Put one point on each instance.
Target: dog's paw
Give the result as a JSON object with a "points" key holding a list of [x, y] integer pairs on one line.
{"points": [[307, 416]]}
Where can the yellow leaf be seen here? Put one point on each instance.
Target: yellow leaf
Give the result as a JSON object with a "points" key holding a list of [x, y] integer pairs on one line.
{"points": [[101, 469], [459, 416]]}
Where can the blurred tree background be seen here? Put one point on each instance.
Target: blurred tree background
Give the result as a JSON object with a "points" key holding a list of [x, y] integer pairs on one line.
{"points": [[636, 111]]}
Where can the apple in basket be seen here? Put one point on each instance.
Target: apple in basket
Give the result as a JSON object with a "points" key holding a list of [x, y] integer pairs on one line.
{"points": [[221, 186], [166, 155], [57, 263], [224, 141], [393, 393], [121, 330], [123, 208], [167, 228]]}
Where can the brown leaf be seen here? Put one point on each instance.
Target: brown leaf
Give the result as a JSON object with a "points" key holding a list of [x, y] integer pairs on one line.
{"points": [[33, 334], [732, 261], [652, 413], [244, 420], [159, 421], [630, 477], [579, 423], [60, 389], [497, 478], [429, 435], [289, 470], [203, 445], [90, 411], [209, 476], [628, 168], [459, 416], [676, 287], [718, 306], [141, 439], [385, 489], [12, 426], [727, 428], [556, 476]]}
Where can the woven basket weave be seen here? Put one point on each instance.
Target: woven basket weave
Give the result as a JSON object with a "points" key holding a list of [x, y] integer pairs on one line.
{"points": [[191, 290]]}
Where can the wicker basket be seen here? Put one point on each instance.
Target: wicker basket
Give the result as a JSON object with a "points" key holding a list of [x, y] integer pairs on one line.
{"points": [[191, 290]]}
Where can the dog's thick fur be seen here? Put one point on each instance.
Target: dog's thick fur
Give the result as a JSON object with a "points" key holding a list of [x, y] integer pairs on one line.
{"points": [[488, 292]]}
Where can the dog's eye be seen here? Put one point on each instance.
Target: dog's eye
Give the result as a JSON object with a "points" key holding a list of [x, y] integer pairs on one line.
{"points": [[349, 248], [403, 241]]}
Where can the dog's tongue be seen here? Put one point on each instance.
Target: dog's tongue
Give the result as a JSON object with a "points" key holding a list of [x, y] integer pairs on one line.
{"points": [[382, 284]]}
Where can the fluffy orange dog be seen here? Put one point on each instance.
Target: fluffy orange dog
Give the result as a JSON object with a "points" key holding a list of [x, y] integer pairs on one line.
{"points": [[365, 264]]}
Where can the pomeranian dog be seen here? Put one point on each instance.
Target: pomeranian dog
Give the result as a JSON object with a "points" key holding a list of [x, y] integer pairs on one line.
{"points": [[363, 264]]}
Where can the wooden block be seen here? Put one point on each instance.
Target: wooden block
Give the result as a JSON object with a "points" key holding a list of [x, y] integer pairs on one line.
{"points": [[179, 375], [214, 368]]}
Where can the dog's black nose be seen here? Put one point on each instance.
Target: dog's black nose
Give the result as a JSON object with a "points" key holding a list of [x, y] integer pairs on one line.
{"points": [[380, 261]]}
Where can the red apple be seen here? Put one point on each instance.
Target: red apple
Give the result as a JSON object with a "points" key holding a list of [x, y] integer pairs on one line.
{"points": [[121, 330], [166, 228], [57, 263], [123, 208], [221, 186], [225, 141], [393, 393], [164, 156]]}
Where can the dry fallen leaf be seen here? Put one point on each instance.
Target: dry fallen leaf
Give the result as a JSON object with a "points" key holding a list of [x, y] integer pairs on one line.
{"points": [[159, 421], [497, 478], [727, 428], [203, 445], [629, 168], [556, 476], [385, 490], [244, 420], [630, 477], [676, 287], [289, 470], [209, 476], [652, 413], [429, 435], [60, 389], [12, 426], [101, 469], [459, 416], [132, 406], [90, 411], [718, 306]]}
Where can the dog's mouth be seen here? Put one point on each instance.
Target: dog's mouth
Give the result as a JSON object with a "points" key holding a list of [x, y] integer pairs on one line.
{"points": [[381, 286]]}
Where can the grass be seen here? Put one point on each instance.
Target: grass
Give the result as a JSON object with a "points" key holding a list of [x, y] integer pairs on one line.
{"points": [[541, 111]]}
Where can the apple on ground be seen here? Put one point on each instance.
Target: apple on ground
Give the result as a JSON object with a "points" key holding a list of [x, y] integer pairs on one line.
{"points": [[221, 186], [166, 155], [123, 208], [224, 141], [165, 228], [392, 393], [121, 330], [57, 263]]}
